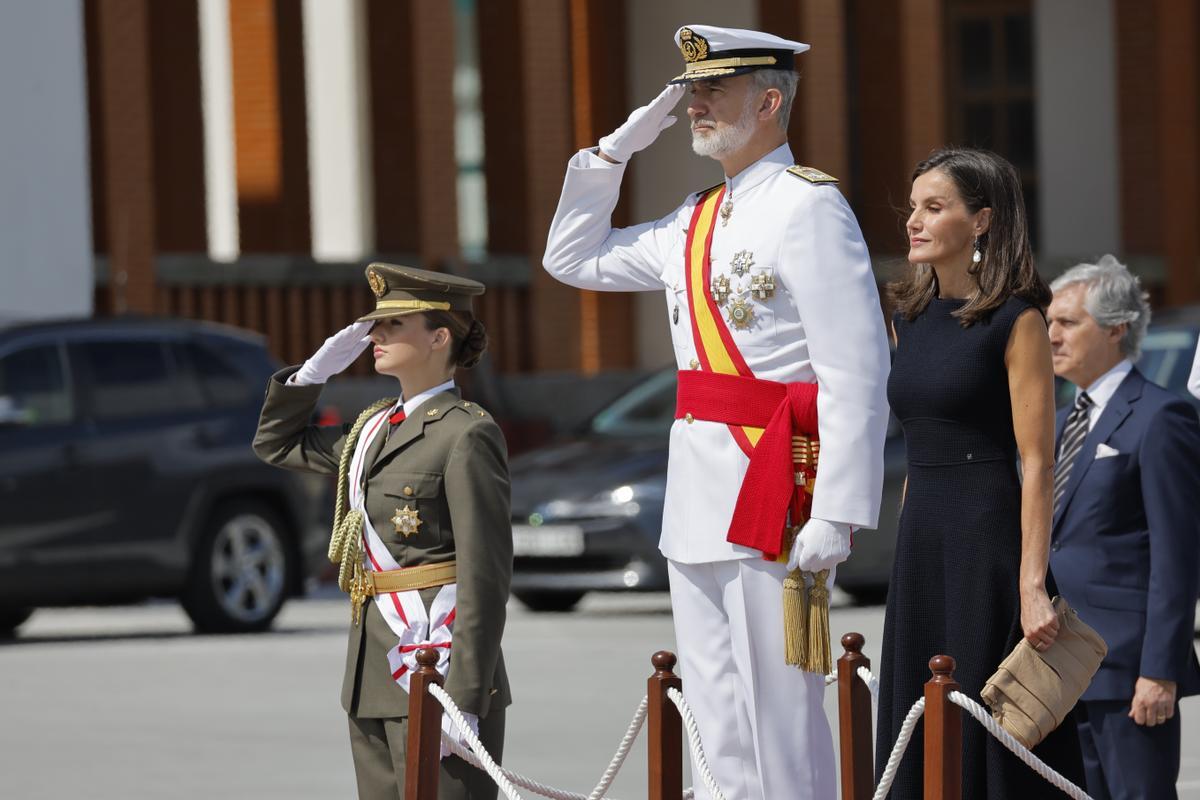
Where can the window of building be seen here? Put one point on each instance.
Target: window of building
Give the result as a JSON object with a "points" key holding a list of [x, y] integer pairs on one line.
{"points": [[991, 91], [34, 391]]}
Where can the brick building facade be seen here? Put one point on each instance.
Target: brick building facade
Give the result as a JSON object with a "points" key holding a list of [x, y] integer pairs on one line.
{"points": [[248, 157]]}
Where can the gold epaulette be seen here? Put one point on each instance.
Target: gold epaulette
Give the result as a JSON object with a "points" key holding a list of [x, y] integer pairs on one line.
{"points": [[811, 174]]}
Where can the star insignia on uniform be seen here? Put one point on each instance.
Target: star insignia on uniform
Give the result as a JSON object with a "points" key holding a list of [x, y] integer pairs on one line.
{"points": [[406, 521], [741, 262], [762, 285], [720, 289], [741, 314]]}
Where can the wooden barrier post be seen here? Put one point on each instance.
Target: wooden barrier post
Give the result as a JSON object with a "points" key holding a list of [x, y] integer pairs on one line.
{"points": [[943, 733], [854, 722], [665, 745], [424, 760]]}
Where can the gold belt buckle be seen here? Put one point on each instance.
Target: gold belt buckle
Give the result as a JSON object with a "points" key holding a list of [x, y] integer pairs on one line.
{"points": [[362, 588]]}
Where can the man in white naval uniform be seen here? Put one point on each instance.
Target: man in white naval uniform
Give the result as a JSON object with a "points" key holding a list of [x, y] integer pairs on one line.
{"points": [[793, 300]]}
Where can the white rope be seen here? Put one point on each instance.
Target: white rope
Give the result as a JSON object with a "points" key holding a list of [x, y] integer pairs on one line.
{"points": [[693, 732], [871, 681], [489, 764], [893, 763], [614, 766], [1019, 750]]}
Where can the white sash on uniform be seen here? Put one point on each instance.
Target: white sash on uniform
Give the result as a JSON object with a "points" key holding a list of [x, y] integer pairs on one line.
{"points": [[404, 612]]}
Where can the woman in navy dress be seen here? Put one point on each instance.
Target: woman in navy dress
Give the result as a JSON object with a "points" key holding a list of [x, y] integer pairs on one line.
{"points": [[973, 386]]}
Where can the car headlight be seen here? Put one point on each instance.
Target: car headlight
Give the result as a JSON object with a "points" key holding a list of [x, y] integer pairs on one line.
{"points": [[622, 501]]}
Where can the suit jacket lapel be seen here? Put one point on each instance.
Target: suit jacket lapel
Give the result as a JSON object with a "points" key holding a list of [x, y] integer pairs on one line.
{"points": [[1114, 414], [412, 428]]}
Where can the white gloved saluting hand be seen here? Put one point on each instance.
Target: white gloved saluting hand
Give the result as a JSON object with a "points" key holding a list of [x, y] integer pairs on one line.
{"points": [[643, 126], [820, 545], [338, 352]]}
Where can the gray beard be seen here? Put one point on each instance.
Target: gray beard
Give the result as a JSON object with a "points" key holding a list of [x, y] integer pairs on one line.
{"points": [[719, 142]]}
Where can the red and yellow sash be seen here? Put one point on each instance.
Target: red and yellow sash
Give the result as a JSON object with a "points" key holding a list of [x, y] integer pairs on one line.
{"points": [[714, 343]]}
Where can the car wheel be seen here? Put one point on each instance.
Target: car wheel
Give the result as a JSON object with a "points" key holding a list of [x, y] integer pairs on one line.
{"points": [[549, 601], [241, 570], [11, 619]]}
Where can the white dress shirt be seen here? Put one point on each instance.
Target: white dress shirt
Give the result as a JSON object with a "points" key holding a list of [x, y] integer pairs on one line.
{"points": [[412, 405], [822, 324], [1103, 388]]}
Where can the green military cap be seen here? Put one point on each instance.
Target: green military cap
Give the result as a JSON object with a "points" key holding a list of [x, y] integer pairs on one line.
{"points": [[407, 290]]}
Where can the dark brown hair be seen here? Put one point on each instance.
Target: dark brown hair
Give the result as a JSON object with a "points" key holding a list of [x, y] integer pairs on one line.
{"points": [[468, 337], [983, 180]]}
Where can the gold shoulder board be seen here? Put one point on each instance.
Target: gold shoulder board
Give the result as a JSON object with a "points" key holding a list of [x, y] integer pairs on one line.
{"points": [[811, 174]]}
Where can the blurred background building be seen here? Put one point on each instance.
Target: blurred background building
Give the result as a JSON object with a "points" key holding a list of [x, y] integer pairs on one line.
{"points": [[241, 160]]}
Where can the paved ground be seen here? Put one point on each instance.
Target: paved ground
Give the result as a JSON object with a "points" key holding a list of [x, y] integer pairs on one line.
{"points": [[126, 703]]}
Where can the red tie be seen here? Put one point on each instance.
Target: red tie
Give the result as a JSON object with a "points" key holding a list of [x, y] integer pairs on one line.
{"points": [[396, 418]]}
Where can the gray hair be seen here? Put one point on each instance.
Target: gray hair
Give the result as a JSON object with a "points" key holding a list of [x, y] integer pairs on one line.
{"points": [[1112, 295], [785, 81]]}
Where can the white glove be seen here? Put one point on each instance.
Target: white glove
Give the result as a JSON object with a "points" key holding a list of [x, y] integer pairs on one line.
{"points": [[643, 126], [338, 352], [455, 733], [820, 545]]}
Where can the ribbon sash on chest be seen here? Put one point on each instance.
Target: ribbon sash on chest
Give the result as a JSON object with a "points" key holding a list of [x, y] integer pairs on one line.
{"points": [[778, 437], [404, 612]]}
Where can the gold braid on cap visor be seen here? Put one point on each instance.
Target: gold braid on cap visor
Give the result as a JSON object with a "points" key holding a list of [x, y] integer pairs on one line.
{"points": [[722, 63], [411, 305]]}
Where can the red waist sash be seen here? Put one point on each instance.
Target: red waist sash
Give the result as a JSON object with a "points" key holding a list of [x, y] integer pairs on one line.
{"points": [[783, 410]]}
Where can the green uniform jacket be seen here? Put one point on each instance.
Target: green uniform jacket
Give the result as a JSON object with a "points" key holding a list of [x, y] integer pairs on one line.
{"points": [[448, 460]]}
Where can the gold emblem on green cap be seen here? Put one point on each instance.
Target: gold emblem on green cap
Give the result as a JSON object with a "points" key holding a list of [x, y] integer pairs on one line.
{"points": [[693, 46], [378, 284]]}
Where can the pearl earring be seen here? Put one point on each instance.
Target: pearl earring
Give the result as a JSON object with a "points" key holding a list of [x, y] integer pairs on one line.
{"points": [[978, 256]]}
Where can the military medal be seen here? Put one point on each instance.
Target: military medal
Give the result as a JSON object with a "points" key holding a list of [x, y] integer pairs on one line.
{"points": [[726, 211], [741, 262], [720, 289], [406, 521], [762, 285], [741, 314]]}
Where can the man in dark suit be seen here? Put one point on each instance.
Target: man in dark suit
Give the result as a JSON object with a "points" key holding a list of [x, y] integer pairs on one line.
{"points": [[1125, 546]]}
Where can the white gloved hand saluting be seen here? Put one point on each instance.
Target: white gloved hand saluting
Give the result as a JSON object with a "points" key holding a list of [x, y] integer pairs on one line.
{"points": [[338, 352], [643, 126], [449, 729], [820, 545]]}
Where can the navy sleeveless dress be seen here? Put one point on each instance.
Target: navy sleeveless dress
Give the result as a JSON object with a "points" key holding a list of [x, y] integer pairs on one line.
{"points": [[954, 586]]}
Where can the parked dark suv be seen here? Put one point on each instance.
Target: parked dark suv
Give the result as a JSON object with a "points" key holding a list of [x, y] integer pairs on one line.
{"points": [[126, 473]]}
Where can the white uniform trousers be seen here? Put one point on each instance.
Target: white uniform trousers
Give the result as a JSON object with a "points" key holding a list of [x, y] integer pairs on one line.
{"points": [[762, 722]]}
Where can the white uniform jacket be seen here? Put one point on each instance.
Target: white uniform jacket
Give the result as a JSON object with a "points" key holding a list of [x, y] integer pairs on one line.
{"points": [[823, 324]]}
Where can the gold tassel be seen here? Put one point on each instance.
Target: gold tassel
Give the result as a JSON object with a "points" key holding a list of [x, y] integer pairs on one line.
{"points": [[795, 618], [820, 659]]}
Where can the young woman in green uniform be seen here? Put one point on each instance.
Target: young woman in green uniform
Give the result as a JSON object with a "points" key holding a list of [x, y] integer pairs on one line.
{"points": [[422, 530]]}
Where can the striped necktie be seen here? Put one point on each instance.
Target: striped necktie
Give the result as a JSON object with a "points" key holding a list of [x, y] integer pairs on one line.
{"points": [[1074, 432]]}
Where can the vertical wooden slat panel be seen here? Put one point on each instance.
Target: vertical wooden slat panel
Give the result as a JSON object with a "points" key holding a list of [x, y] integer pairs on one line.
{"points": [[123, 39], [276, 323], [294, 325]]}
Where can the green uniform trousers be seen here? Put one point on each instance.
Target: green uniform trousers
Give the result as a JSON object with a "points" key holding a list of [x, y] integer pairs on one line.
{"points": [[378, 746]]}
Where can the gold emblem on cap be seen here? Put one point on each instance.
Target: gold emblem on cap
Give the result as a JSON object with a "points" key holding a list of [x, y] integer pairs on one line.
{"points": [[406, 521], [378, 284], [693, 46]]}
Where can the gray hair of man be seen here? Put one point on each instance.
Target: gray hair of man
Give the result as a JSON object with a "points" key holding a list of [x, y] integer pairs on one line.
{"points": [[1112, 295], [785, 81]]}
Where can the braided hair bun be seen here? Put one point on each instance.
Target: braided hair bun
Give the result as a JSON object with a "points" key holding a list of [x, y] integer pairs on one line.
{"points": [[474, 344]]}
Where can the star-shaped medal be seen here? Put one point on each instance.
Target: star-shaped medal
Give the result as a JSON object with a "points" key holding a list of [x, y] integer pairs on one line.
{"points": [[741, 313], [741, 262], [406, 521]]}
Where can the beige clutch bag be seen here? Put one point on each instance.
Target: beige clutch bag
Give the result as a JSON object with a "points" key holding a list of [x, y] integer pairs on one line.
{"points": [[1032, 692]]}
